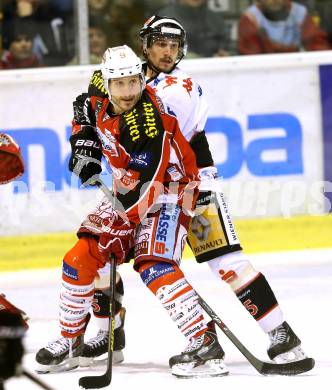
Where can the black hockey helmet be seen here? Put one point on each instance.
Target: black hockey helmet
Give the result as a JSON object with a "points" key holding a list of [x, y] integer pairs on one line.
{"points": [[157, 27]]}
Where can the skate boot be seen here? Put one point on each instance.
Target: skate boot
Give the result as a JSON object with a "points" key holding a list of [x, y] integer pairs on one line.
{"points": [[285, 345], [203, 357], [95, 350], [60, 355]]}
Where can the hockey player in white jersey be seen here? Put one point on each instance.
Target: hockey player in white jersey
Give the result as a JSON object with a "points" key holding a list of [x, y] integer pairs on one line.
{"points": [[212, 236]]}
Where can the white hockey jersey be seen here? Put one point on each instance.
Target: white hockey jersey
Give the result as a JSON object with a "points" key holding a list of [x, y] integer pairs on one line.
{"points": [[184, 99]]}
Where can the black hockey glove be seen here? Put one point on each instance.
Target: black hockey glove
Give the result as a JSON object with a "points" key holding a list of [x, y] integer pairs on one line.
{"points": [[85, 159], [81, 107], [12, 330]]}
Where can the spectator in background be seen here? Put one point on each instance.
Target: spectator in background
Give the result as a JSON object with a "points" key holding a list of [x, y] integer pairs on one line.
{"points": [[206, 30], [47, 28], [100, 10], [324, 14], [98, 41], [18, 42], [279, 26]]}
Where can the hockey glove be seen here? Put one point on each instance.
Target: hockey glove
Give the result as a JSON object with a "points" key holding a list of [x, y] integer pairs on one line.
{"points": [[81, 109], [6, 305], [11, 162], [116, 239], [12, 331], [85, 159]]}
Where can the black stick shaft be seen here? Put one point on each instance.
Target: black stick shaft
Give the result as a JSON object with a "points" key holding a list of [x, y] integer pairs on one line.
{"points": [[36, 380], [265, 368], [100, 381]]}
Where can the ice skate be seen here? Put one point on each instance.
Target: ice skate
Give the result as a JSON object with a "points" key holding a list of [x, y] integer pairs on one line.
{"points": [[203, 357], [95, 350], [60, 355], [285, 345]]}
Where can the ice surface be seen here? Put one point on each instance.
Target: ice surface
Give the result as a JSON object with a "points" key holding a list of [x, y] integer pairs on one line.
{"points": [[301, 280]]}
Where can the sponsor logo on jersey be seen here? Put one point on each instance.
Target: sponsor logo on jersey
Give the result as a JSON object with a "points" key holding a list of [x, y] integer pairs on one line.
{"points": [[140, 160], [170, 80], [162, 230], [156, 271], [130, 179], [174, 172], [194, 330], [141, 248], [95, 219], [209, 245], [98, 82], [150, 120], [69, 271], [131, 121], [165, 237], [188, 85]]}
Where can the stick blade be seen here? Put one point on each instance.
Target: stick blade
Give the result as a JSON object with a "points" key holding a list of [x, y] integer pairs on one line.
{"points": [[292, 368], [94, 382]]}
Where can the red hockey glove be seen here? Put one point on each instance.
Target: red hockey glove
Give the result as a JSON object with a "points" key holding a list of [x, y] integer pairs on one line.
{"points": [[117, 239], [6, 305], [11, 162]]}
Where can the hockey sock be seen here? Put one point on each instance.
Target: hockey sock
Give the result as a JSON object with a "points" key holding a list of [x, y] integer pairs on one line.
{"points": [[80, 265], [258, 298], [250, 286], [100, 303], [75, 302], [169, 285]]}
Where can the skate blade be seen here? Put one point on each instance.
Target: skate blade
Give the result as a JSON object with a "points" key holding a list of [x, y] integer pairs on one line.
{"points": [[66, 365], [117, 358], [211, 368], [293, 355]]}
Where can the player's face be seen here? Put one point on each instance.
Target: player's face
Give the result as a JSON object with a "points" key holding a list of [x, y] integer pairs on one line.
{"points": [[163, 53], [125, 92]]}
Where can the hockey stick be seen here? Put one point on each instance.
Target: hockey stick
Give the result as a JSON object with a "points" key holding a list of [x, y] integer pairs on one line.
{"points": [[264, 368], [36, 380], [99, 381]]}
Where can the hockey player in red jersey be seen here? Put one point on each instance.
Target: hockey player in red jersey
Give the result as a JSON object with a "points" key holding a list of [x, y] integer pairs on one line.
{"points": [[164, 45], [155, 180]]}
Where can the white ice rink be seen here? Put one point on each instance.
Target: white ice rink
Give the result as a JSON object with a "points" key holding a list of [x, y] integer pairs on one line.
{"points": [[302, 282]]}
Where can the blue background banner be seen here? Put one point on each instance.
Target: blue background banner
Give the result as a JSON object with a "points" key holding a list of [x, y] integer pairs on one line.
{"points": [[325, 72]]}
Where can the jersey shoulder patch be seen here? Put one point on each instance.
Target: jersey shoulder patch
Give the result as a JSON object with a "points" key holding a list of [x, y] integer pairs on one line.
{"points": [[96, 85]]}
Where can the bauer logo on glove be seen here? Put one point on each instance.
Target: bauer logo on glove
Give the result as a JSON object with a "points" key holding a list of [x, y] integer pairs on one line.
{"points": [[116, 239], [11, 162]]}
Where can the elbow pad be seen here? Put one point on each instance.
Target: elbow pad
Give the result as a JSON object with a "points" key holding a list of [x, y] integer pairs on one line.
{"points": [[200, 146]]}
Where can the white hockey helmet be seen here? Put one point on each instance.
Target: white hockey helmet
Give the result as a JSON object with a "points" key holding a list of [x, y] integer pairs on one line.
{"points": [[121, 61]]}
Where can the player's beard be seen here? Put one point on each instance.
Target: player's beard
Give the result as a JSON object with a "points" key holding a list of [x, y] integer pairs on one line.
{"points": [[165, 65], [124, 103]]}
